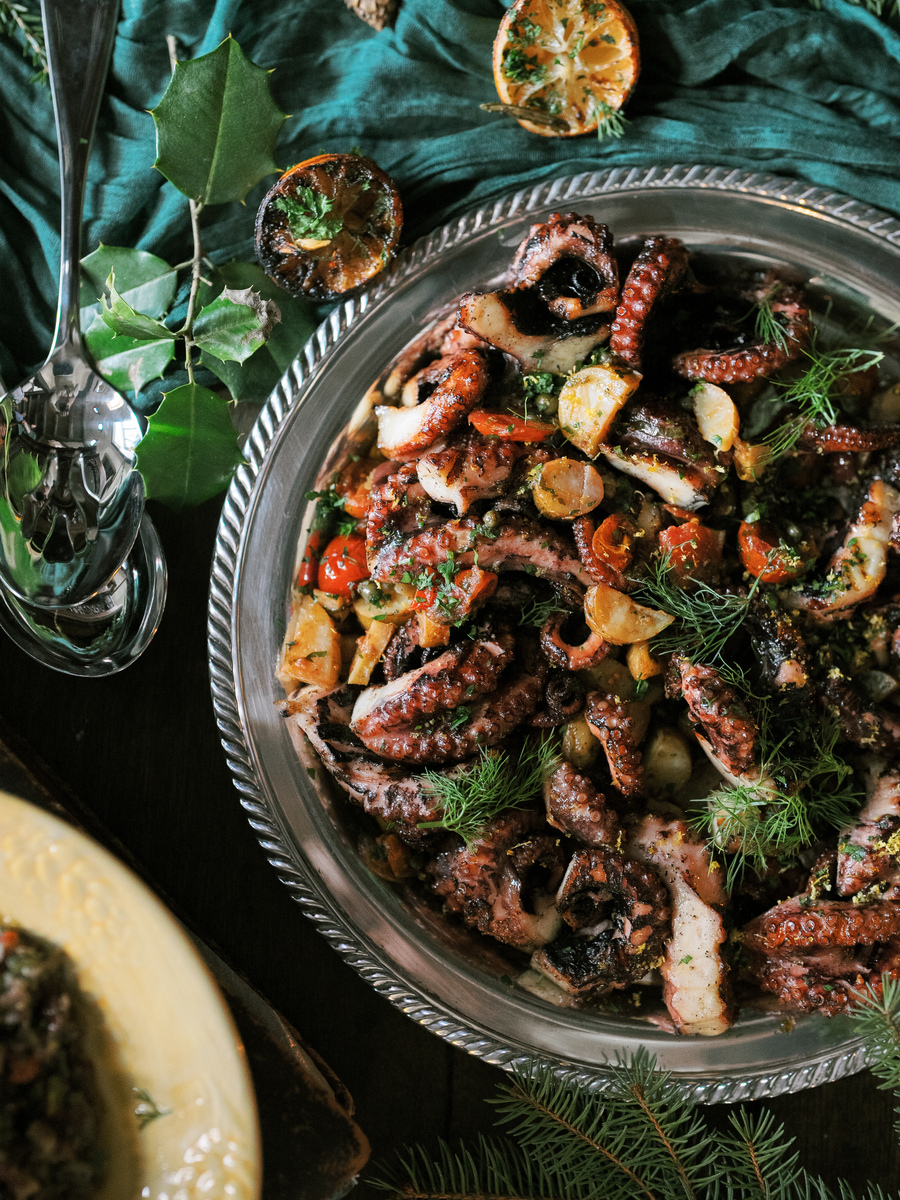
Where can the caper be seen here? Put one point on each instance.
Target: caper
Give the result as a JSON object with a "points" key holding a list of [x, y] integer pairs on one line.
{"points": [[368, 589], [547, 404], [491, 518]]}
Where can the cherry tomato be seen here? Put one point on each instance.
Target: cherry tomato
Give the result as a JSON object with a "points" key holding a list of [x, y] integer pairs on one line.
{"points": [[695, 551], [510, 427], [424, 598], [612, 542], [308, 571], [765, 557], [343, 563]]}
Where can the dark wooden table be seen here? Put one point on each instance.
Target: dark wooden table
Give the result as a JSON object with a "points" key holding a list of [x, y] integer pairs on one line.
{"points": [[141, 752]]}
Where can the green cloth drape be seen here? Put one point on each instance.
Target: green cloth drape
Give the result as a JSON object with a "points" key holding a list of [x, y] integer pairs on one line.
{"points": [[764, 84]]}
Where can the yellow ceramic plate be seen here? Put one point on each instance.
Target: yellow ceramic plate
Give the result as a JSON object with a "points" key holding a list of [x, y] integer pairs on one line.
{"points": [[163, 1029]]}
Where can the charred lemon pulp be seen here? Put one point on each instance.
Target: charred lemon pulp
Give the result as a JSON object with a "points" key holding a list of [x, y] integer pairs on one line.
{"points": [[328, 226]]}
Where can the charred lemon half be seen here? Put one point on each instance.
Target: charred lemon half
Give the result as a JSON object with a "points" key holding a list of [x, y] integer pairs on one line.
{"points": [[328, 226]]}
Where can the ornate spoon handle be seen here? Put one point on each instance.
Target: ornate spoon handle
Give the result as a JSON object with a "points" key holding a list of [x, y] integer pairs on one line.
{"points": [[79, 36]]}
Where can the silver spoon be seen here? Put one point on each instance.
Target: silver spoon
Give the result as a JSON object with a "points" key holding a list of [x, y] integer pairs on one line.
{"points": [[106, 633], [70, 498]]}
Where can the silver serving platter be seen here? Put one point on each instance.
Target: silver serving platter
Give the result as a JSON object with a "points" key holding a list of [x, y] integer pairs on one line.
{"points": [[446, 979]]}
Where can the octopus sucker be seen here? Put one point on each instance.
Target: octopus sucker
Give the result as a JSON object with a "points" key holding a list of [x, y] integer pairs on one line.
{"points": [[848, 438], [518, 544], [576, 807], [430, 733], [619, 725], [812, 954], [385, 790]]}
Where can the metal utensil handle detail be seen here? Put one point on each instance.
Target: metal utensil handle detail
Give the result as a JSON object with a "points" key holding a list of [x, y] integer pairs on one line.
{"points": [[80, 35]]}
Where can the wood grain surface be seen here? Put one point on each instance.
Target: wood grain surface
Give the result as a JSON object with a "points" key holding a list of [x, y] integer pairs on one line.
{"points": [[141, 751]]}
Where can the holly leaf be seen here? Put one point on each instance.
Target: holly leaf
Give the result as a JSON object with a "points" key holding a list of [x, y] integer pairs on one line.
{"points": [[255, 378], [145, 282], [127, 363], [216, 126], [190, 449], [236, 324], [122, 318]]}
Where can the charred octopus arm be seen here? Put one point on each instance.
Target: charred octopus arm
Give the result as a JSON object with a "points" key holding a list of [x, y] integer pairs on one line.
{"points": [[447, 390], [566, 282], [759, 359], [720, 717], [813, 954], [420, 717], [570, 261], [576, 807], [658, 271], [504, 882]]}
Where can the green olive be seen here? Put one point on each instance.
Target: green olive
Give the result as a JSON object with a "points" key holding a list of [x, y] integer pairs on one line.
{"points": [[368, 589], [491, 518], [546, 404]]}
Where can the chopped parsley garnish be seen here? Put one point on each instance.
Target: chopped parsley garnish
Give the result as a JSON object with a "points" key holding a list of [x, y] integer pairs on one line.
{"points": [[307, 215]]}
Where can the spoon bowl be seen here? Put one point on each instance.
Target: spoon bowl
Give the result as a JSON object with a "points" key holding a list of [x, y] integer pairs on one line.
{"points": [[105, 634]]}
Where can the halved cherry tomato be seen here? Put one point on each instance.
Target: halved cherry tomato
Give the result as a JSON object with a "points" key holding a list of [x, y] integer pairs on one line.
{"points": [[695, 551], [424, 598], [308, 571], [765, 557], [510, 427], [612, 541], [343, 563]]}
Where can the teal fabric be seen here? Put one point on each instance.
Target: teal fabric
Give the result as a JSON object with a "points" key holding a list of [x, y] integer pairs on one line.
{"points": [[762, 84]]}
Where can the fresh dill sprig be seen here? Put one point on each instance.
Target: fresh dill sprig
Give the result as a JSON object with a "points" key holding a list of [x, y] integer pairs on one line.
{"points": [[536, 612], [23, 24], [813, 394], [767, 328], [803, 787], [472, 796], [307, 214], [705, 619], [611, 122]]}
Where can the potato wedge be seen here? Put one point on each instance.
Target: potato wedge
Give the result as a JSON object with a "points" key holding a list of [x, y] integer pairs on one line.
{"points": [[567, 488], [618, 619], [717, 416], [369, 649], [312, 647], [589, 402], [641, 663], [394, 606]]}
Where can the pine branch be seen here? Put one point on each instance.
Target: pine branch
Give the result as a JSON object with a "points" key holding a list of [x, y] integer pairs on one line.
{"points": [[24, 25], [644, 1138]]}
